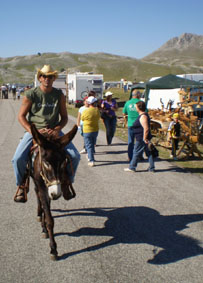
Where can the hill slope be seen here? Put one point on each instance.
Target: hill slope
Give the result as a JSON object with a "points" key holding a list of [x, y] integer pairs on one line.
{"points": [[178, 55]]}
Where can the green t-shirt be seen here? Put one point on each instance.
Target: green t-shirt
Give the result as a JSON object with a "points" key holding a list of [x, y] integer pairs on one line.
{"points": [[130, 110], [45, 107]]}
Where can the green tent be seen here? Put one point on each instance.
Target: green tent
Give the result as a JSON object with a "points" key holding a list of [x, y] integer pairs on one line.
{"points": [[167, 82]]}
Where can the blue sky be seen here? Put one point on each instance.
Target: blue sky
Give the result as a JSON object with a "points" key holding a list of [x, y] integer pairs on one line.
{"points": [[129, 27]]}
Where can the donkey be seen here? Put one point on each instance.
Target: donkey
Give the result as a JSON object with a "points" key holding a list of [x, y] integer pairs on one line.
{"points": [[49, 173]]}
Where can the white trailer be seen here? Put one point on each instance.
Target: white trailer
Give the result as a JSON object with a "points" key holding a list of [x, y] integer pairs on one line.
{"points": [[79, 84], [59, 83]]}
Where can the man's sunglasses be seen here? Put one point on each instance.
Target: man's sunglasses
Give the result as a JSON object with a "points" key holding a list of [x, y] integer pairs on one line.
{"points": [[48, 77]]}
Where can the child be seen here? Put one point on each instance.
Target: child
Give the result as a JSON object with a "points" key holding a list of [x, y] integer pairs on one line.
{"points": [[174, 134]]}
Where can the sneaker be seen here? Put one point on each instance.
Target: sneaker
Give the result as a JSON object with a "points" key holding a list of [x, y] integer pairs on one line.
{"points": [[171, 156], [128, 170], [83, 151], [91, 163], [175, 158], [151, 170]]}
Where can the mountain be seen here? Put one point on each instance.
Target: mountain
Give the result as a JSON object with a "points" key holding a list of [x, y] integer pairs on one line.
{"points": [[182, 54], [185, 52]]}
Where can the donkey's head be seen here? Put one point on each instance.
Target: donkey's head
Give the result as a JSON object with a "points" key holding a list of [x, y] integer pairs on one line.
{"points": [[52, 162]]}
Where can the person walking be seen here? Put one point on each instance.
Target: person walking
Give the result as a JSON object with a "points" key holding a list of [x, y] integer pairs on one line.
{"points": [[90, 118], [130, 113], [46, 108], [108, 108], [143, 137], [80, 122], [13, 89], [174, 135], [3, 91]]}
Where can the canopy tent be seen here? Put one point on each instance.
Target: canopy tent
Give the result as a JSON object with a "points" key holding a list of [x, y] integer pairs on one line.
{"points": [[167, 82]]}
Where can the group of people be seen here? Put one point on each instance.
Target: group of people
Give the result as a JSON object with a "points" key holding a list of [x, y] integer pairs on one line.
{"points": [[15, 91], [45, 106]]}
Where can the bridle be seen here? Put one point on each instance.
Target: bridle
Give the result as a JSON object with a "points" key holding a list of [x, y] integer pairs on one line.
{"points": [[47, 182]]}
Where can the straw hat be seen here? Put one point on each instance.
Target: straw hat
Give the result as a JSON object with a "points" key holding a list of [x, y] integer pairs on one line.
{"points": [[47, 70]]}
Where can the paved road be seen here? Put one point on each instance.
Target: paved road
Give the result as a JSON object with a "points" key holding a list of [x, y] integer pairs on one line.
{"points": [[122, 227]]}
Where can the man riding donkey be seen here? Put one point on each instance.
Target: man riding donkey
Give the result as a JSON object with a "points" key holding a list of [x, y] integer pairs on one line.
{"points": [[46, 108]]}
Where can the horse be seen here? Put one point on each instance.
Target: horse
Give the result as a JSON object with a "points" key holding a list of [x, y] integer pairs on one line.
{"points": [[51, 179]]}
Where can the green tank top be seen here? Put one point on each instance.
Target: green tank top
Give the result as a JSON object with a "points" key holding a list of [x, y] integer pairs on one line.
{"points": [[45, 107]]}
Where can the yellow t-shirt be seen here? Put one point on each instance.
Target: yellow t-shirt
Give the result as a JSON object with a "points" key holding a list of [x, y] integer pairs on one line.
{"points": [[90, 118]]}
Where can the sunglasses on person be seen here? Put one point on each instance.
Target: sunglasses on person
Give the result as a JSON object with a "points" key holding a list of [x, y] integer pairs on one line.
{"points": [[47, 77]]}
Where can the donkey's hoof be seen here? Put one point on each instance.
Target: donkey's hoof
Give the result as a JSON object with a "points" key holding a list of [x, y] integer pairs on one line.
{"points": [[54, 257], [39, 218], [45, 235]]}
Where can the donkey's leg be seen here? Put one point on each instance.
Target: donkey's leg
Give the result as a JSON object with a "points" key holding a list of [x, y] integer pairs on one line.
{"points": [[45, 234], [41, 215], [49, 222], [39, 207]]}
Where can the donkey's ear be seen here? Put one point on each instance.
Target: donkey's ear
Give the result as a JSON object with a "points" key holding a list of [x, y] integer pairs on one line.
{"points": [[66, 139], [39, 138]]}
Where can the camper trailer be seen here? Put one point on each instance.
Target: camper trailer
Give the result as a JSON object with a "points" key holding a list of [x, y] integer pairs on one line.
{"points": [[79, 84], [59, 83]]}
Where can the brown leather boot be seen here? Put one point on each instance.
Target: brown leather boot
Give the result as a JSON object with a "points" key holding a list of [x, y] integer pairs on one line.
{"points": [[21, 194]]}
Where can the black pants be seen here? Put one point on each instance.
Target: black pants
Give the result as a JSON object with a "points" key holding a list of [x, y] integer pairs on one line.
{"points": [[174, 146], [110, 125]]}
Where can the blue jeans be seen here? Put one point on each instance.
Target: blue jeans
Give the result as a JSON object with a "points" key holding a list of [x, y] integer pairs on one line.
{"points": [[110, 124], [131, 142], [21, 156], [90, 141], [139, 147]]}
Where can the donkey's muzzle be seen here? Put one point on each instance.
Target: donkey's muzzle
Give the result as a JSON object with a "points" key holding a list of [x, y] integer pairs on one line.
{"points": [[54, 191]]}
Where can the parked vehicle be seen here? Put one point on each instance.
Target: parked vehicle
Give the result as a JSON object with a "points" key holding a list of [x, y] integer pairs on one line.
{"points": [[79, 84]]}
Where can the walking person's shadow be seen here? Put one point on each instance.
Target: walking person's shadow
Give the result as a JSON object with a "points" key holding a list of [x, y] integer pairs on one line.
{"points": [[138, 225]]}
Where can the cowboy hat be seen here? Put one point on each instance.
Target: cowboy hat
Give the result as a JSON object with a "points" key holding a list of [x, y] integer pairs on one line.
{"points": [[47, 70]]}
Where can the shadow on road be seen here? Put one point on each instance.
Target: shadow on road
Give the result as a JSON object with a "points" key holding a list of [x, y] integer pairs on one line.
{"points": [[138, 225]]}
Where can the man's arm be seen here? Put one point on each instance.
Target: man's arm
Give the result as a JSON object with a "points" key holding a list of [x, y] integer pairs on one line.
{"points": [[24, 109], [63, 113]]}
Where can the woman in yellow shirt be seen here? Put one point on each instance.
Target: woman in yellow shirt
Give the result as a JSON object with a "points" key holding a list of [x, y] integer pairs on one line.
{"points": [[90, 118]]}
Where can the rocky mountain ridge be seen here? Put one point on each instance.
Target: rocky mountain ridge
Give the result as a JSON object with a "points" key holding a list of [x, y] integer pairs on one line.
{"points": [[185, 41]]}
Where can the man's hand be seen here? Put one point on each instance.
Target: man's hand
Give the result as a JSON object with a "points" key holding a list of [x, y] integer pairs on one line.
{"points": [[51, 132]]}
